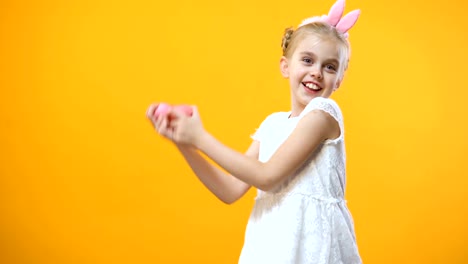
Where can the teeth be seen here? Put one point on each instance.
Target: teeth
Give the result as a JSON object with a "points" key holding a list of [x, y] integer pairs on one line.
{"points": [[312, 86]]}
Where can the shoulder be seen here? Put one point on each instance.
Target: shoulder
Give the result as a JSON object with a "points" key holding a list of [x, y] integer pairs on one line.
{"points": [[276, 117], [325, 104], [324, 114]]}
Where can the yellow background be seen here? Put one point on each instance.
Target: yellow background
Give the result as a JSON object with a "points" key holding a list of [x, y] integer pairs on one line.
{"points": [[85, 179]]}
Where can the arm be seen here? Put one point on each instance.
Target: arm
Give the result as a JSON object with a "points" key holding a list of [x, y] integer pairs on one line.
{"points": [[315, 127], [227, 188]]}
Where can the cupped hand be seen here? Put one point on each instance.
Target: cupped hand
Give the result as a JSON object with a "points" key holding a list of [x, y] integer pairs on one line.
{"points": [[160, 121], [187, 130]]}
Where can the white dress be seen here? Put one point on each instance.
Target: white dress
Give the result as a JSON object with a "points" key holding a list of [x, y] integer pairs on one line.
{"points": [[306, 219]]}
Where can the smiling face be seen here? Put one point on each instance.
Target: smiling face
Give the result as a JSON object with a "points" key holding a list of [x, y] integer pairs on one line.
{"points": [[313, 70], [315, 57]]}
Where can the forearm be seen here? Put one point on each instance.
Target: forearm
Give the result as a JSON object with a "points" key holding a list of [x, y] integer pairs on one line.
{"points": [[244, 168], [227, 188], [309, 133]]}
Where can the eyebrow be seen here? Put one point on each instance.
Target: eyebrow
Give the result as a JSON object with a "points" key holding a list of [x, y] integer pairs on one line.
{"points": [[332, 60]]}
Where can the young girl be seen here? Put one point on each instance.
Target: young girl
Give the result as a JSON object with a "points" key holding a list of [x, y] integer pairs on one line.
{"points": [[296, 159]]}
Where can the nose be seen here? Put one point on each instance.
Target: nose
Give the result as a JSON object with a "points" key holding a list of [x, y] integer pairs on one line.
{"points": [[316, 71]]}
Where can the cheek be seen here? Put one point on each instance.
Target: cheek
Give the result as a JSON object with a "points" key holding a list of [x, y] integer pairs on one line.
{"points": [[332, 79], [299, 73]]}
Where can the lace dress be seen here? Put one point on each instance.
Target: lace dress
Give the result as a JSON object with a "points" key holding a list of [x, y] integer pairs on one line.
{"points": [[306, 219]]}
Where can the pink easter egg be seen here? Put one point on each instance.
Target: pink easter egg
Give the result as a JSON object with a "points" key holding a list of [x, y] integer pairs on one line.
{"points": [[162, 109], [186, 109]]}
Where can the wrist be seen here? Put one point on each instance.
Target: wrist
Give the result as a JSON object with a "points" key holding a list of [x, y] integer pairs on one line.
{"points": [[183, 146], [203, 137]]}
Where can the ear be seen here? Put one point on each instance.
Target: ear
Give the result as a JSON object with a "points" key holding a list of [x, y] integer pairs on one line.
{"points": [[336, 12], [284, 67], [337, 84], [348, 21]]}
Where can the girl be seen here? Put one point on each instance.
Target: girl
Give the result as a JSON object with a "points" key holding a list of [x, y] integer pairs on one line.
{"points": [[296, 159]]}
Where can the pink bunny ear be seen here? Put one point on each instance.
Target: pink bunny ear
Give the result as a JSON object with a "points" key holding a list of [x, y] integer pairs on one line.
{"points": [[335, 13], [334, 18], [348, 21]]}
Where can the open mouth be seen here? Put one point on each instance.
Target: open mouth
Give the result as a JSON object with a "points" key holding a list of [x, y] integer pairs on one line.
{"points": [[311, 86]]}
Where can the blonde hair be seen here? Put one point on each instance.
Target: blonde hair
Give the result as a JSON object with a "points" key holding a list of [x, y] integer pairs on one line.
{"points": [[322, 30]]}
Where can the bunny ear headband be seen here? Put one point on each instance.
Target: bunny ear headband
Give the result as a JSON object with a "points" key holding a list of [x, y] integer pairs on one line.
{"points": [[335, 19]]}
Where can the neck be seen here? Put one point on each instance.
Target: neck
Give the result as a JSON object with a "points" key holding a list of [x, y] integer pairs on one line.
{"points": [[296, 108]]}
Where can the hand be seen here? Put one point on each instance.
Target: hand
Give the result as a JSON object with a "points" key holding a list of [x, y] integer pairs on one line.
{"points": [[160, 121], [185, 129]]}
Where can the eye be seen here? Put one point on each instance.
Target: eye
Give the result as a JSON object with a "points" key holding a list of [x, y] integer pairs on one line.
{"points": [[331, 67], [307, 60]]}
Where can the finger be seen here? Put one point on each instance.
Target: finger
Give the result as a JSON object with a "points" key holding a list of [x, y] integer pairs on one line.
{"points": [[195, 113], [166, 131], [157, 122], [163, 125], [174, 123], [150, 110], [176, 113]]}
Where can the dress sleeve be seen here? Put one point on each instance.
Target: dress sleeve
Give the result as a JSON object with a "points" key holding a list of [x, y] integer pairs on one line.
{"points": [[329, 106], [260, 131]]}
